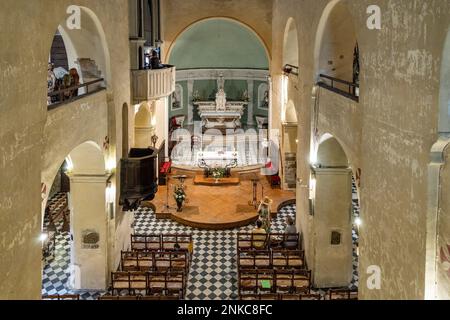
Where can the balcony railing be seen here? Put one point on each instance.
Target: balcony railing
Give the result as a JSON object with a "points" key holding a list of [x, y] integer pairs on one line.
{"points": [[351, 90], [290, 69], [70, 94], [153, 84]]}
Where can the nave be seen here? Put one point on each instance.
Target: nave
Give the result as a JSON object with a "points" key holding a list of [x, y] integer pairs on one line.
{"points": [[213, 273]]}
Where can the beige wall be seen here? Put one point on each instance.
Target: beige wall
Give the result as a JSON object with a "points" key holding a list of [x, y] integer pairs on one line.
{"points": [[24, 116], [388, 134]]}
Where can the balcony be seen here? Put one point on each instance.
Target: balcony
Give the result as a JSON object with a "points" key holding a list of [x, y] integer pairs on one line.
{"points": [[73, 93], [344, 88], [152, 84]]}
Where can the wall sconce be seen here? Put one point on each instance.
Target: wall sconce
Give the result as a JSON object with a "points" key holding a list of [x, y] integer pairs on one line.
{"points": [[69, 165], [110, 196], [110, 165], [154, 139], [287, 70], [43, 237]]}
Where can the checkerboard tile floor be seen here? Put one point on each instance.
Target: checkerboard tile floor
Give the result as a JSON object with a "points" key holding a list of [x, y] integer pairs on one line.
{"points": [[213, 274]]}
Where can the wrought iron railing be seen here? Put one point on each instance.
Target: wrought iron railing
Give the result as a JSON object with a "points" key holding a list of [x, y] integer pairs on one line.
{"points": [[70, 94], [329, 83]]}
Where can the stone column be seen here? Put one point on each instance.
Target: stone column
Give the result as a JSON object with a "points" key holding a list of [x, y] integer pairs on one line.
{"points": [[89, 228], [332, 224], [190, 105], [251, 103]]}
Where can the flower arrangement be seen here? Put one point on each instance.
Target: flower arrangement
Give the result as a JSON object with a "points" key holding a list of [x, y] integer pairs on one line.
{"points": [[218, 173]]}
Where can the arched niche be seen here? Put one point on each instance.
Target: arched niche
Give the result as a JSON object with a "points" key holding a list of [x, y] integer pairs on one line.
{"points": [[437, 262], [87, 159], [88, 231], [290, 44], [219, 43], [331, 199], [143, 126], [335, 42], [86, 48], [444, 96], [331, 154], [290, 115]]}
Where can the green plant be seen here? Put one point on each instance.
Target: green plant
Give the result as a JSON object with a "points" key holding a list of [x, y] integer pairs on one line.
{"points": [[217, 173]]}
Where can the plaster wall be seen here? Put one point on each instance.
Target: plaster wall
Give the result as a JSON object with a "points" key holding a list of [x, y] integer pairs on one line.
{"points": [[398, 116], [23, 106]]}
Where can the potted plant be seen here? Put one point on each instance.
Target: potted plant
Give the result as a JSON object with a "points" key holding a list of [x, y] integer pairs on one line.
{"points": [[180, 197]]}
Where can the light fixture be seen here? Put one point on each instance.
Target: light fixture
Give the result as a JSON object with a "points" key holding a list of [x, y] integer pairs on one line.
{"points": [[43, 237], [358, 221], [110, 165], [110, 193], [69, 165]]}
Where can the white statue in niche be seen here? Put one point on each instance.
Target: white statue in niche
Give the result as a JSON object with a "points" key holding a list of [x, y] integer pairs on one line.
{"points": [[221, 97]]}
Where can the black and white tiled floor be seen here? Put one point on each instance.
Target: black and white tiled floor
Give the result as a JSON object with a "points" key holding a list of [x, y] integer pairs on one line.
{"points": [[213, 274]]}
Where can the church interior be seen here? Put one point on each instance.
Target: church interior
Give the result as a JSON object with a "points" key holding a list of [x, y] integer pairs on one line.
{"points": [[225, 150]]}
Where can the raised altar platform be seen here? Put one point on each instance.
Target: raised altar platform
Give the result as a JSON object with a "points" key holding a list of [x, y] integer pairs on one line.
{"points": [[221, 207], [201, 180]]}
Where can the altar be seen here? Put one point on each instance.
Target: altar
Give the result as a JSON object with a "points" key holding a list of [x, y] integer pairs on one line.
{"points": [[221, 114]]}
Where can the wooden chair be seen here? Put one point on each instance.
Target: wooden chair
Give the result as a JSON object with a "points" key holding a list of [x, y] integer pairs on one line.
{"points": [[289, 296], [288, 259], [175, 283], [284, 241], [157, 284], [251, 241], [145, 242], [301, 281], [310, 297], [265, 276], [254, 259], [342, 294], [248, 282], [184, 241], [125, 298], [62, 297]]}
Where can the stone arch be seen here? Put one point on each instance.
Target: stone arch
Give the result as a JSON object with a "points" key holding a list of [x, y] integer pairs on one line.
{"points": [[330, 153], [331, 197], [251, 32], [143, 125], [87, 48], [88, 217], [290, 114], [290, 44], [335, 42], [444, 96], [437, 261]]}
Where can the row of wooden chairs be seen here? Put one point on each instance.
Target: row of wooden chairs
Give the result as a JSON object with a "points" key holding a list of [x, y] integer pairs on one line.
{"points": [[281, 296], [139, 297], [274, 281], [155, 261], [151, 283], [162, 242], [62, 297], [341, 294], [249, 240], [333, 294], [271, 259]]}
